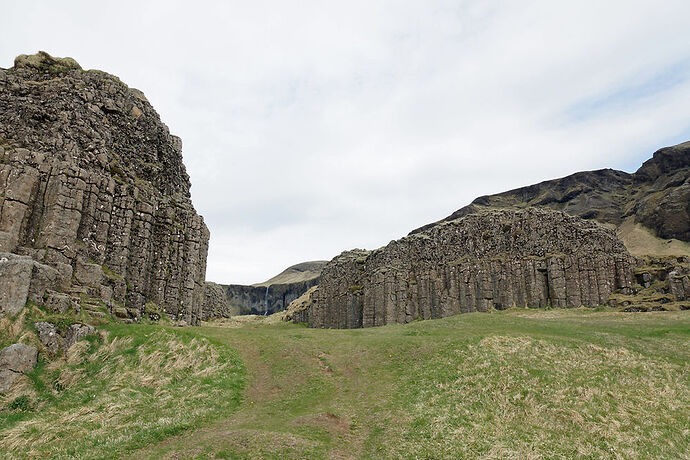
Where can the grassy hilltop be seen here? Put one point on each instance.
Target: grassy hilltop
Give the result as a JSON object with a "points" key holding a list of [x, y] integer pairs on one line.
{"points": [[515, 384]]}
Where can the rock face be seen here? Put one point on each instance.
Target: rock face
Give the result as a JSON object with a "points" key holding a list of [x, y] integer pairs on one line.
{"points": [[94, 193], [15, 278], [274, 295], [661, 283], [23, 279], [15, 360], [77, 332], [295, 312], [529, 258], [217, 302], [656, 196], [501, 251]]}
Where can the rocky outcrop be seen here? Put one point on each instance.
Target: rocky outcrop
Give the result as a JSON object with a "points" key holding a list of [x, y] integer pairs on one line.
{"points": [[661, 283], [532, 258], [76, 332], [298, 310], [656, 196], [272, 296], [23, 279], [217, 303], [50, 338], [93, 194]]}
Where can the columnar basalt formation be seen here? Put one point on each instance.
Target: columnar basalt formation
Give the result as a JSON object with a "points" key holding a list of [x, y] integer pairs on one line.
{"points": [[274, 295], [490, 260], [94, 192]]}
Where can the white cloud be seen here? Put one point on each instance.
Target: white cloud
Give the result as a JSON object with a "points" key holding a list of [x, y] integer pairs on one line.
{"points": [[313, 127]]}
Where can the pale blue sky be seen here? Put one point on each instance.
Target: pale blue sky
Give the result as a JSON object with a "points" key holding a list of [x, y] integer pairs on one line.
{"points": [[312, 127]]}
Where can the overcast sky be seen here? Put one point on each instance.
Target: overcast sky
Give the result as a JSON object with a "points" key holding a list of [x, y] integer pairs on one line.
{"points": [[311, 127]]}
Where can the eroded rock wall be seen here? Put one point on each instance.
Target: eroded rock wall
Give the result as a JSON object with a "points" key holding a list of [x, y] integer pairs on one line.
{"points": [[92, 186], [529, 258]]}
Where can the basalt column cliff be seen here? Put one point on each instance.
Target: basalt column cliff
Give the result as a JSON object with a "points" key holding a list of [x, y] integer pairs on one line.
{"points": [[494, 259], [601, 237], [94, 197]]}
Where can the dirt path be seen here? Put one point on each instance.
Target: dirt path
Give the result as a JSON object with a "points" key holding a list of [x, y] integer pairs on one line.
{"points": [[290, 408]]}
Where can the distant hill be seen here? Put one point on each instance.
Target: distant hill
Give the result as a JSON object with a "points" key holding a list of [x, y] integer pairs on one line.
{"points": [[297, 273], [650, 208]]}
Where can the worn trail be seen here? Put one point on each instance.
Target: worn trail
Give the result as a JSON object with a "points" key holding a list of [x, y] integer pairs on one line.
{"points": [[520, 383]]}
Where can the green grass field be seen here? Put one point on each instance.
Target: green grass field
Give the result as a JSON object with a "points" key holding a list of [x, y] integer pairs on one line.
{"points": [[515, 384]]}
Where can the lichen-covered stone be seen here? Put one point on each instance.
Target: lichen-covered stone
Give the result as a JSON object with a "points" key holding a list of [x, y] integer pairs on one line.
{"points": [[58, 302], [15, 280], [491, 260], [92, 185], [50, 338], [217, 303]]}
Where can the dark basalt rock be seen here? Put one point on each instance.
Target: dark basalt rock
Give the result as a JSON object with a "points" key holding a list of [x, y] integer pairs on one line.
{"points": [[92, 186], [271, 296], [656, 196], [532, 258]]}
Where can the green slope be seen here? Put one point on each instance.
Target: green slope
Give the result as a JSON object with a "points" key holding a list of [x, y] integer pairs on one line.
{"points": [[516, 384]]}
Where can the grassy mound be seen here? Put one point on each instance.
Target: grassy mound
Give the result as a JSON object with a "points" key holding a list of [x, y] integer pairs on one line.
{"points": [[126, 388]]}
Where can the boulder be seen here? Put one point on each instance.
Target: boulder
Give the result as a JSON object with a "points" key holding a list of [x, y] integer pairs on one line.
{"points": [[77, 332], [7, 379], [15, 360], [58, 302], [119, 312], [49, 337], [43, 278]]}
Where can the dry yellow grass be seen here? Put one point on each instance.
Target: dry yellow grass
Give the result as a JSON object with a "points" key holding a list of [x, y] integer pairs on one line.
{"points": [[540, 399], [109, 396], [640, 241]]}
